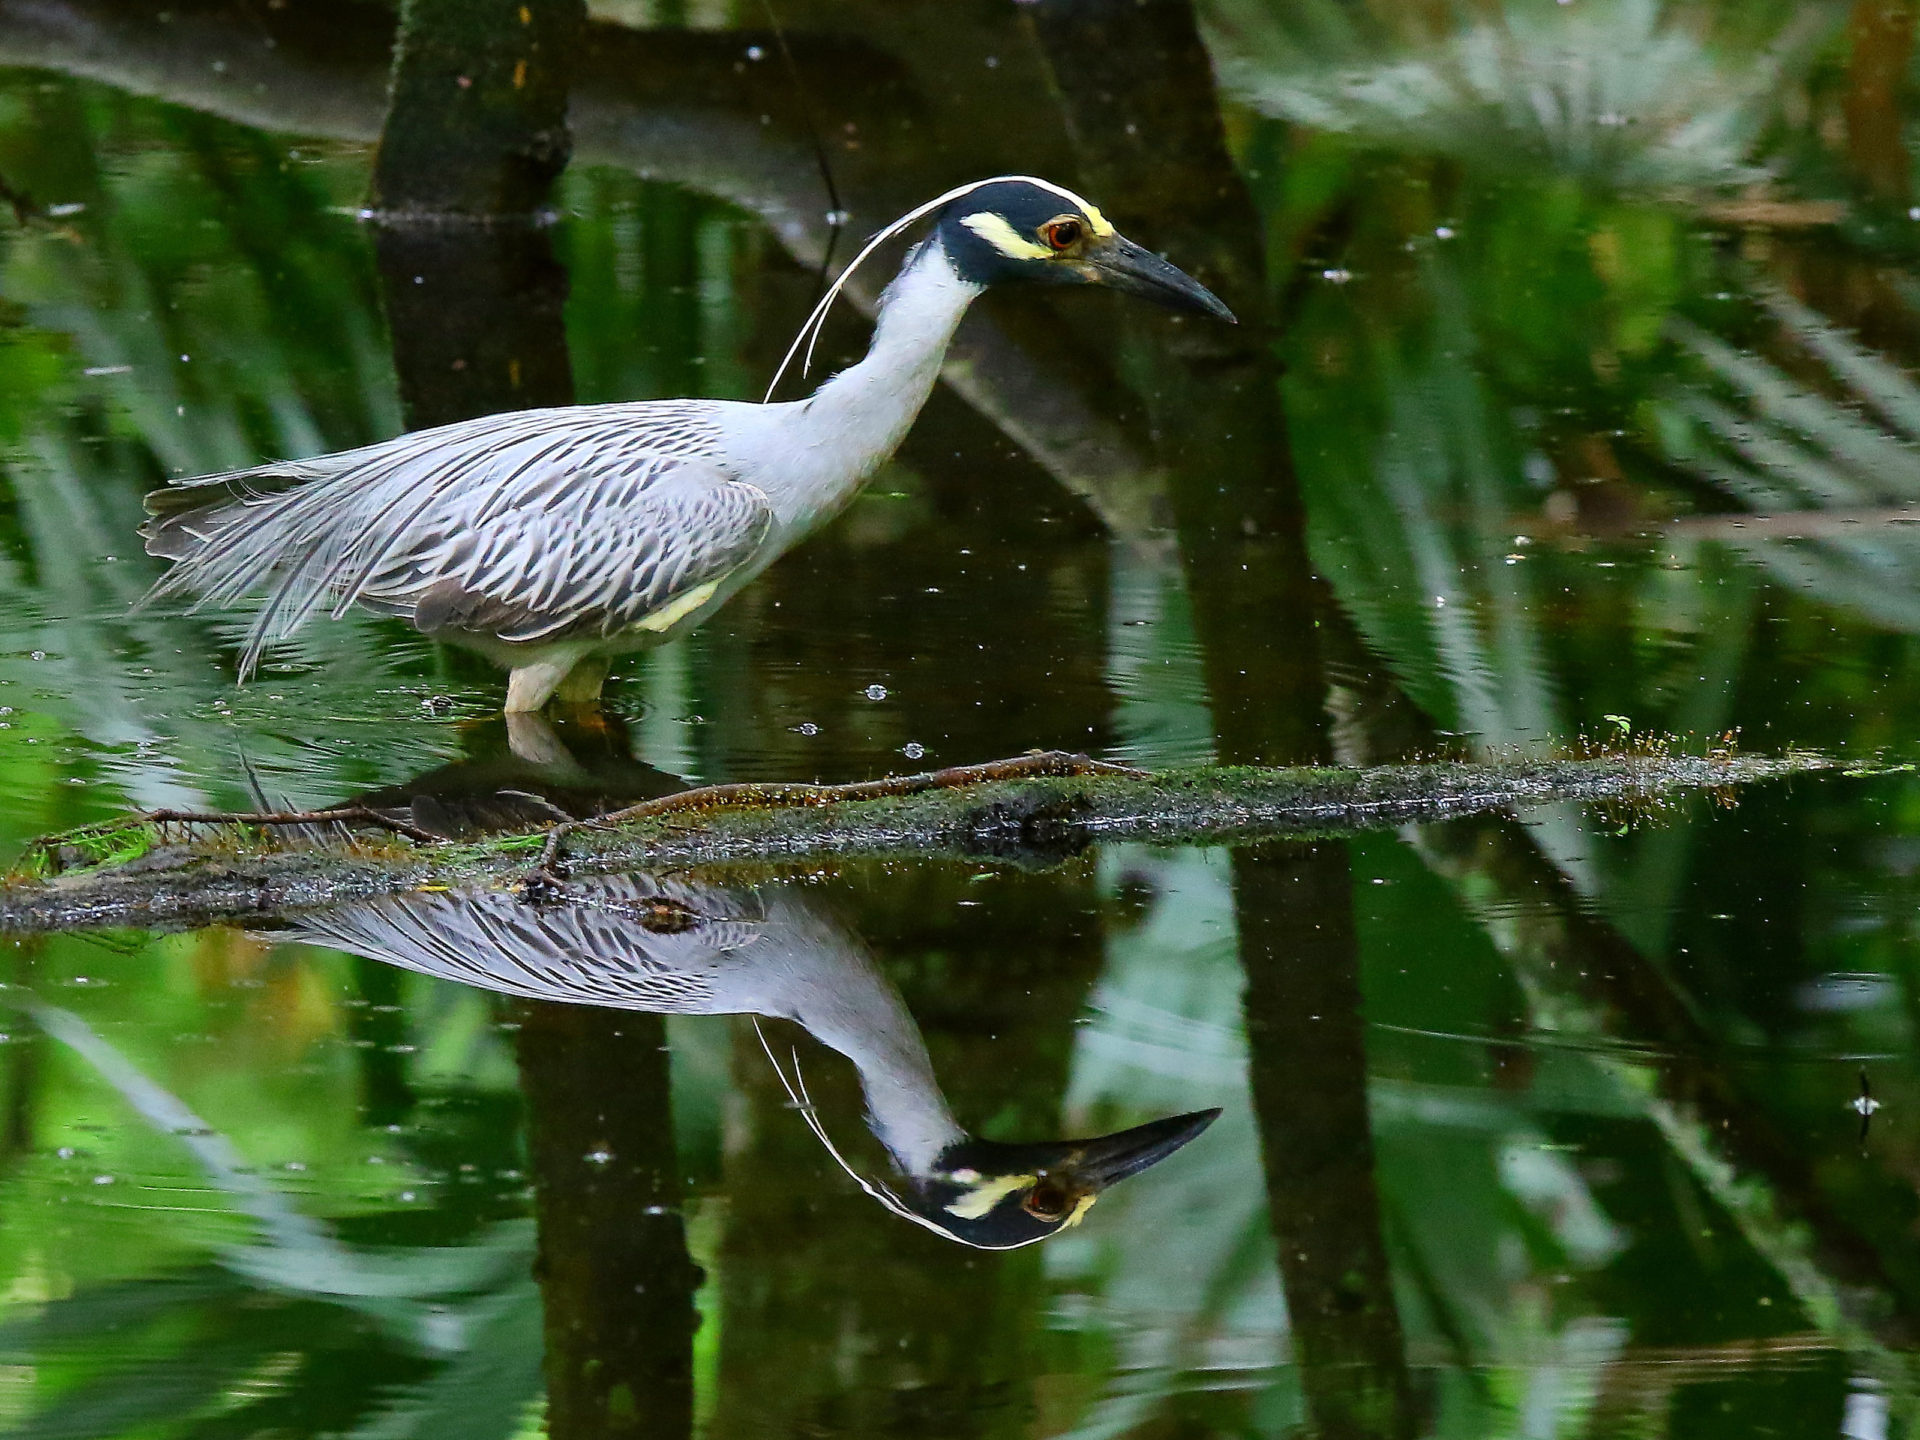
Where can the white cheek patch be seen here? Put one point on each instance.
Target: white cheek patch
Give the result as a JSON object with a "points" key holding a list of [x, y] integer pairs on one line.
{"points": [[1003, 237]]}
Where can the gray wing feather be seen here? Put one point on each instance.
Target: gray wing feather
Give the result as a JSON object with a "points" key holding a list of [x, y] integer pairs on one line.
{"points": [[526, 526], [631, 538], [594, 950]]}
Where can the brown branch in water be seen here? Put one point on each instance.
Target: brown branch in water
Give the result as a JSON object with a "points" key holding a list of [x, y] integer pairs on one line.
{"points": [[338, 814], [744, 795], [1033, 807], [752, 794]]}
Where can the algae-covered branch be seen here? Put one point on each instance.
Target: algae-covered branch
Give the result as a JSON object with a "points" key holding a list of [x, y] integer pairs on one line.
{"points": [[168, 867]]}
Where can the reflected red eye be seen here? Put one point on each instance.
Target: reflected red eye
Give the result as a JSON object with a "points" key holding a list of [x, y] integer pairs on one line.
{"points": [[1062, 234], [1047, 1201]]}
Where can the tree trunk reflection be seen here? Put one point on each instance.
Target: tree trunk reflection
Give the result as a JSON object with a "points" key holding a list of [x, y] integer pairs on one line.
{"points": [[1137, 87], [1881, 32], [474, 138], [1294, 908], [615, 1278]]}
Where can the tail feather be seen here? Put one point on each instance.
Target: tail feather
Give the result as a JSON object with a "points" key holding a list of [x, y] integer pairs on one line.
{"points": [[310, 534], [323, 534]]}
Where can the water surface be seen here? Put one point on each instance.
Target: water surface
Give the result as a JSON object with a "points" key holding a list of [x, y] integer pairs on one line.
{"points": [[1577, 397]]}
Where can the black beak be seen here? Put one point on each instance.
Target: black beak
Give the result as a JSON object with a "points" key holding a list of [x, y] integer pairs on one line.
{"points": [[1112, 1158], [1123, 265]]}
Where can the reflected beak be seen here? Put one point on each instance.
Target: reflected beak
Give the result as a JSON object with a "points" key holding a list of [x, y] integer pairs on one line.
{"points": [[1113, 1158], [1120, 264]]}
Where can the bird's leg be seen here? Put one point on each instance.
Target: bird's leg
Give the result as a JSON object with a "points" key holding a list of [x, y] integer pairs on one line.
{"points": [[582, 683], [530, 686]]}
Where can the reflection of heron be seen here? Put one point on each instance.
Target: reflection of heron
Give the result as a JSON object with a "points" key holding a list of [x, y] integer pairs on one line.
{"points": [[638, 942], [553, 539], [519, 773]]}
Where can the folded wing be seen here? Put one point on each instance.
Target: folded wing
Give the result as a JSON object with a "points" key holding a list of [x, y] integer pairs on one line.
{"points": [[527, 527]]}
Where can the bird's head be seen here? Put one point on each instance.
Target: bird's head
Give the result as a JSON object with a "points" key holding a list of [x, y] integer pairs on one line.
{"points": [[996, 1196], [1012, 230]]}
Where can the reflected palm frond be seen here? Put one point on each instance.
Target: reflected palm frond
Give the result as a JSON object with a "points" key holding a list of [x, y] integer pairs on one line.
{"points": [[1628, 93], [442, 1340], [146, 350], [1827, 466]]}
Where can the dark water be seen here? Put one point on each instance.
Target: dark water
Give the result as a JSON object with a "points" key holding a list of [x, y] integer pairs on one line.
{"points": [[1578, 395]]}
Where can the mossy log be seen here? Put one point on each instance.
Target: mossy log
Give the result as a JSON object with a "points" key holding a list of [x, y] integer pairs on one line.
{"points": [[156, 870]]}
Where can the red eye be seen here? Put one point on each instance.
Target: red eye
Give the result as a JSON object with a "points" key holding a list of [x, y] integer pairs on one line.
{"points": [[1062, 234]]}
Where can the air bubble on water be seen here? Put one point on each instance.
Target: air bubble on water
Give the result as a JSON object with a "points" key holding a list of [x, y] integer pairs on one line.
{"points": [[599, 1157], [805, 727], [103, 1179], [913, 750], [65, 1152], [875, 692]]}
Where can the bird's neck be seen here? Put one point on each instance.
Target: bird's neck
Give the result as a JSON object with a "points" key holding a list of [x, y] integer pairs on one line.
{"points": [[905, 1109], [839, 996], [838, 437]]}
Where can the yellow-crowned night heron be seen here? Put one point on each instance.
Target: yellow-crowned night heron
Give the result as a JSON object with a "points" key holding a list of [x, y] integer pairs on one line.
{"points": [[638, 942], [551, 540]]}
